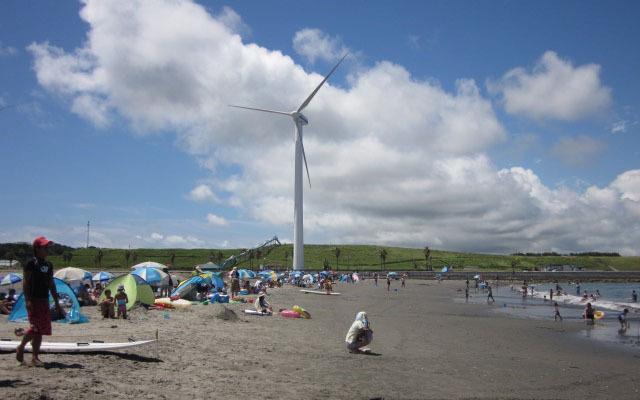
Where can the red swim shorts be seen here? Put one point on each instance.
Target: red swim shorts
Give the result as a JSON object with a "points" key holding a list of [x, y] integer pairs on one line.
{"points": [[40, 317]]}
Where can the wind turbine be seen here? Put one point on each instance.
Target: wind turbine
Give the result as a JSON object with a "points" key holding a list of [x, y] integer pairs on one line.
{"points": [[299, 120]]}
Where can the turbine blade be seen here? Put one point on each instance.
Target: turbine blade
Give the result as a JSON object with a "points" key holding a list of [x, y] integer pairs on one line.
{"points": [[304, 156], [308, 100], [261, 109]]}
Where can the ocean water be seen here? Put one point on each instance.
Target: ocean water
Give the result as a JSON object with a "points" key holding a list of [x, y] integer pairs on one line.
{"points": [[614, 297]]}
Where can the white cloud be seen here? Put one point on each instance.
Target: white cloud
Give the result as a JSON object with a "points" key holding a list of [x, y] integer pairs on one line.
{"points": [[393, 160], [233, 21], [315, 44], [216, 220], [555, 89], [628, 185], [203, 193], [7, 50], [578, 151]]}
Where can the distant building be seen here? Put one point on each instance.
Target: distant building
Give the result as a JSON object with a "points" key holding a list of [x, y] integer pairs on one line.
{"points": [[563, 268], [10, 264]]}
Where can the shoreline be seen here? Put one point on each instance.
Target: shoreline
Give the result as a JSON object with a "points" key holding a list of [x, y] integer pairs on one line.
{"points": [[425, 346]]}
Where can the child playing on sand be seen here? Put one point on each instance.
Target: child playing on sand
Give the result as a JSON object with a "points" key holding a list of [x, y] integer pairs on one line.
{"points": [[556, 312], [121, 300], [360, 334], [107, 305], [262, 305]]}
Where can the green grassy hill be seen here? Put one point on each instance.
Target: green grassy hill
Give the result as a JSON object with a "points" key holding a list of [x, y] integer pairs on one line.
{"points": [[360, 257]]}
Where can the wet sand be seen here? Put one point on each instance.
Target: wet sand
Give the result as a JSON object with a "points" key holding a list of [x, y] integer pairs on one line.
{"points": [[425, 346]]}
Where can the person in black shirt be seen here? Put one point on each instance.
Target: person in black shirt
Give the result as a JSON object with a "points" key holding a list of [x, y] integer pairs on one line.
{"points": [[36, 285]]}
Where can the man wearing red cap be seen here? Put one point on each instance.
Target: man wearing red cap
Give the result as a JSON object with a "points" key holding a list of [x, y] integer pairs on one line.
{"points": [[36, 285]]}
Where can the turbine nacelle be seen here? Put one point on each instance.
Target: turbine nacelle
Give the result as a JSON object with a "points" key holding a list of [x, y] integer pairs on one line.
{"points": [[299, 118]]}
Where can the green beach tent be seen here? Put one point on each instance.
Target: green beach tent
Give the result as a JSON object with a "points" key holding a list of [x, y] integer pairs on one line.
{"points": [[136, 289]]}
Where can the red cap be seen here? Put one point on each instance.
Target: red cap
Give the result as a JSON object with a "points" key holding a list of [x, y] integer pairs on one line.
{"points": [[41, 242]]}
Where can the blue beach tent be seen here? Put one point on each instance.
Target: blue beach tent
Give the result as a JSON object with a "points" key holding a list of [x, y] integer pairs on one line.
{"points": [[67, 297], [191, 284]]}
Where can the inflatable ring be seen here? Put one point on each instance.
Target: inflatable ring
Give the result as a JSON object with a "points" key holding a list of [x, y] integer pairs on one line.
{"points": [[598, 314], [302, 311], [290, 314]]}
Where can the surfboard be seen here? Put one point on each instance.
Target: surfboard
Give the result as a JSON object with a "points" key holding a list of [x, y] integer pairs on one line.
{"points": [[319, 292], [71, 347], [254, 312]]}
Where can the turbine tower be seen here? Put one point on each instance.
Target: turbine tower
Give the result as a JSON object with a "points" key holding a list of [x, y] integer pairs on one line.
{"points": [[299, 120]]}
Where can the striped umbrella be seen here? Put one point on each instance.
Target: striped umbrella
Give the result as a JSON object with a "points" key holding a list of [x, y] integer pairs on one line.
{"points": [[149, 264], [73, 276], [103, 276], [10, 279], [152, 276]]}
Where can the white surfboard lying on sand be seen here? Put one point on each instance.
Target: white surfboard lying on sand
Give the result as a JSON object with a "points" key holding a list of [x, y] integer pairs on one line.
{"points": [[254, 312], [318, 292], [70, 347]]}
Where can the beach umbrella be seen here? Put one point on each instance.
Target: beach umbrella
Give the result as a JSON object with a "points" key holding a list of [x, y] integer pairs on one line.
{"points": [[10, 279], [103, 276], [152, 276], [270, 274], [444, 269], [295, 274], [308, 277], [149, 264], [73, 275], [244, 274], [405, 275], [476, 277], [394, 273]]}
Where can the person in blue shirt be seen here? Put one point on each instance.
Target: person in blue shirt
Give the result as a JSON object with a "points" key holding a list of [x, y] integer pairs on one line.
{"points": [[622, 318]]}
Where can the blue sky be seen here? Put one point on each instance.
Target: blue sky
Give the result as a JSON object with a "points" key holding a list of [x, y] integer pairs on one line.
{"points": [[471, 126]]}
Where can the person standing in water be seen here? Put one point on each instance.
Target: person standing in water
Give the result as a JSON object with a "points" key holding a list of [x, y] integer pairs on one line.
{"points": [[490, 295], [622, 318], [36, 285], [556, 312]]}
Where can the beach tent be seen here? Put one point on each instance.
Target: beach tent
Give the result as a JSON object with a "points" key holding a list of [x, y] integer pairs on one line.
{"points": [[137, 290], [188, 287], [66, 298], [445, 269]]}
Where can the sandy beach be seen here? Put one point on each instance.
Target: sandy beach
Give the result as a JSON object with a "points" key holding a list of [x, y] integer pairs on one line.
{"points": [[425, 346]]}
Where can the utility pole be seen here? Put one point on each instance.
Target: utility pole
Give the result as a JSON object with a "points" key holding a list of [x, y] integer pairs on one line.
{"points": [[87, 234]]}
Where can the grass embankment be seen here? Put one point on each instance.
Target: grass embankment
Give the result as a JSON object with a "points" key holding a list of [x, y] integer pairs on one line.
{"points": [[360, 257]]}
